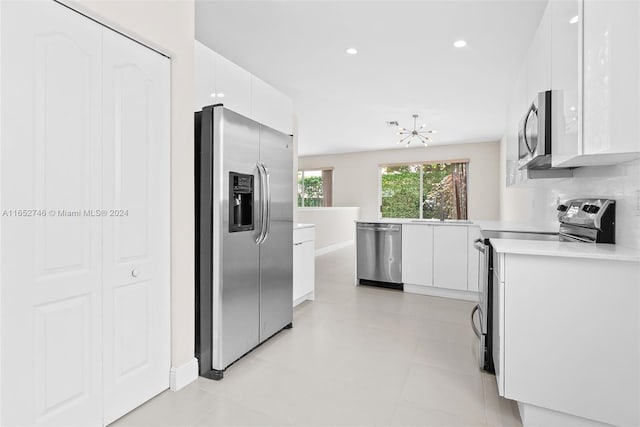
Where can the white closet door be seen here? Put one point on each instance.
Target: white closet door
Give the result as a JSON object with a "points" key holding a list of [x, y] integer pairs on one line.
{"points": [[136, 244], [51, 266]]}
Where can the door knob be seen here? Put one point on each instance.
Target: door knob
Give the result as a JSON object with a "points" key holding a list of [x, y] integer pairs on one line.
{"points": [[135, 272]]}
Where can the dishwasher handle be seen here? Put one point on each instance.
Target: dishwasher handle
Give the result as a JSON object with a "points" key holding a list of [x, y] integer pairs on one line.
{"points": [[394, 228]]}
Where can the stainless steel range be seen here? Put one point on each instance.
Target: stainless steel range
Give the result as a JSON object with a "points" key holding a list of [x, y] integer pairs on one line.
{"points": [[590, 221]]}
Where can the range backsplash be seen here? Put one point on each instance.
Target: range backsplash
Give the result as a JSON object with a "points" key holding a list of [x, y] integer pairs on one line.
{"points": [[620, 182]]}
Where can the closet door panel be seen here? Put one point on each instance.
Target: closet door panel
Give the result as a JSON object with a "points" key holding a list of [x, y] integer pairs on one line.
{"points": [[136, 227], [51, 254]]}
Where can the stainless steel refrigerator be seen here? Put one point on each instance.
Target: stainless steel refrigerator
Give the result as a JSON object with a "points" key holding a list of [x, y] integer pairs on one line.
{"points": [[244, 232]]}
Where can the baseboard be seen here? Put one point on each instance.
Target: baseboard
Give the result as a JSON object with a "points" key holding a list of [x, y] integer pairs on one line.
{"points": [[183, 375], [442, 292], [308, 296], [532, 415], [334, 247]]}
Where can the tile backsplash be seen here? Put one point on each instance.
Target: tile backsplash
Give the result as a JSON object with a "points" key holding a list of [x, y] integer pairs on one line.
{"points": [[619, 182]]}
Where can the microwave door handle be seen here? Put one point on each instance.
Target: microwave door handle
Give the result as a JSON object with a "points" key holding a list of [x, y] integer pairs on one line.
{"points": [[533, 110]]}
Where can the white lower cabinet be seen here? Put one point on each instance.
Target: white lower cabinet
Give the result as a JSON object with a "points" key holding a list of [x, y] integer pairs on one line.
{"points": [[85, 228], [569, 336], [450, 257], [440, 260], [417, 254], [303, 264]]}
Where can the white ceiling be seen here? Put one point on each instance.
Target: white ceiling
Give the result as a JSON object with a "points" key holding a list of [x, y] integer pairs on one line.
{"points": [[406, 63]]}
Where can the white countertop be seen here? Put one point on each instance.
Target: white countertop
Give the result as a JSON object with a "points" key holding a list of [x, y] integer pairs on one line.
{"points": [[484, 225], [414, 221], [566, 249], [534, 247], [300, 226]]}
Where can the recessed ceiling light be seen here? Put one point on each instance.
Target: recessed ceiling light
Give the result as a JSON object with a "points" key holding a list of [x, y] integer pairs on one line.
{"points": [[221, 95], [460, 43], [352, 51], [574, 20], [213, 94]]}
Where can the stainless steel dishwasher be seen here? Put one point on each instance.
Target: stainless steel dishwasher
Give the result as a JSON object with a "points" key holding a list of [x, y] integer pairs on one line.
{"points": [[379, 253]]}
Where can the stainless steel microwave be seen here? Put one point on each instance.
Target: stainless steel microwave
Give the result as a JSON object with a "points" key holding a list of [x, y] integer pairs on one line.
{"points": [[534, 134]]}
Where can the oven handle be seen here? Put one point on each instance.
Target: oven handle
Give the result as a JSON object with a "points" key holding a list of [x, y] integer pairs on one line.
{"points": [[473, 323], [479, 245]]}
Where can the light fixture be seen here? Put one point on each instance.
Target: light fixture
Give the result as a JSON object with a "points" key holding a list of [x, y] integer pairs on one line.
{"points": [[574, 20], [221, 95], [213, 94], [217, 95], [352, 51], [417, 134], [460, 43]]}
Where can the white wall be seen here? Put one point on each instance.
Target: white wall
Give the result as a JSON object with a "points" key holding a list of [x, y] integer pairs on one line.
{"points": [[537, 203], [355, 175], [169, 27], [334, 226]]}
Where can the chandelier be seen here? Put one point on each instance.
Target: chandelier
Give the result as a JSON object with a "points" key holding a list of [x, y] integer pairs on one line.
{"points": [[417, 134]]}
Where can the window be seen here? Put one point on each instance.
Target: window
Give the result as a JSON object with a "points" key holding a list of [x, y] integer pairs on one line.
{"points": [[315, 188], [424, 190]]}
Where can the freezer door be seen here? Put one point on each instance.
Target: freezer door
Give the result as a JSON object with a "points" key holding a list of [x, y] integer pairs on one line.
{"points": [[276, 251], [236, 303]]}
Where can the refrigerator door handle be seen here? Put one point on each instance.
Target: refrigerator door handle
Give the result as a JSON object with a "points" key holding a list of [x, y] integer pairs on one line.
{"points": [[263, 203], [268, 203]]}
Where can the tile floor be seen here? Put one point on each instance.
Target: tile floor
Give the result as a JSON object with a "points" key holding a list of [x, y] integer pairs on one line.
{"points": [[355, 356]]}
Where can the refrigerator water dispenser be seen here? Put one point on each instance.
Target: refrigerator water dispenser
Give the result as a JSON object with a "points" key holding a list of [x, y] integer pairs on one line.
{"points": [[240, 202]]}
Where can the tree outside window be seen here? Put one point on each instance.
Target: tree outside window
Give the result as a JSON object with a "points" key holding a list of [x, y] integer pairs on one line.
{"points": [[424, 190], [314, 188]]}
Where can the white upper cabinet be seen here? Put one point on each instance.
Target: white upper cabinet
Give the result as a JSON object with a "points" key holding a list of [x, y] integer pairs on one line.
{"points": [[539, 60], [611, 77], [566, 58], [232, 86], [204, 75], [596, 49], [270, 107], [220, 81]]}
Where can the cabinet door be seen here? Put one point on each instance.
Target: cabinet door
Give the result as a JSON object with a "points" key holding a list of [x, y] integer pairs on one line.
{"points": [[539, 59], [303, 269], [611, 77], [136, 259], [234, 84], [51, 265], [450, 257], [417, 254], [566, 71], [204, 77], [473, 259], [270, 107]]}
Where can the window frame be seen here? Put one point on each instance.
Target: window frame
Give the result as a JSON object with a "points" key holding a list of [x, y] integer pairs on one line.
{"points": [[321, 169], [422, 163]]}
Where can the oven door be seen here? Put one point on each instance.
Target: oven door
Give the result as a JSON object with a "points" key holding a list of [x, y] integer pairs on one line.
{"points": [[483, 281], [480, 311]]}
